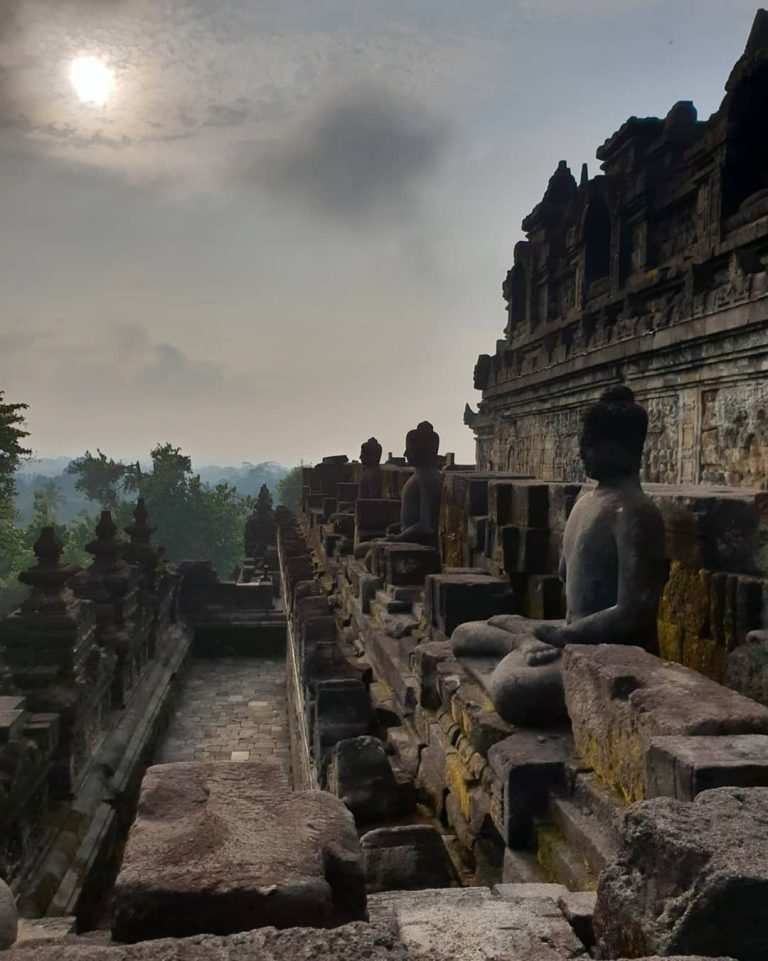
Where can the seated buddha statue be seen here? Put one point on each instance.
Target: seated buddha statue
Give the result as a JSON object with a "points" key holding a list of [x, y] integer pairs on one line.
{"points": [[613, 565], [370, 476], [421, 496]]}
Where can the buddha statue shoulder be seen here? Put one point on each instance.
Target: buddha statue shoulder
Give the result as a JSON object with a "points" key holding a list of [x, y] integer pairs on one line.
{"points": [[613, 565]]}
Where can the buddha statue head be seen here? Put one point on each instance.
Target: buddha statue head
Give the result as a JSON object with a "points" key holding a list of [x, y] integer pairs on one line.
{"points": [[613, 435], [422, 445], [370, 453]]}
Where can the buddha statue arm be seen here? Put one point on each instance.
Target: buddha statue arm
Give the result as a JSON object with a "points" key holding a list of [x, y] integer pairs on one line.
{"points": [[639, 539], [424, 531]]}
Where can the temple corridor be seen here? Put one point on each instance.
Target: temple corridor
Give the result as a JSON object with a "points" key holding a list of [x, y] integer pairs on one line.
{"points": [[229, 709]]}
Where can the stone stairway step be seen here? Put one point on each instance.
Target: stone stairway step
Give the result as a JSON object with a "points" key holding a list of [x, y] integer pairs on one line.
{"points": [[585, 833], [562, 862]]}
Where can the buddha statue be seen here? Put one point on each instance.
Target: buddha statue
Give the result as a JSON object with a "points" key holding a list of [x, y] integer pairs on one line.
{"points": [[370, 477], [420, 499], [613, 565]]}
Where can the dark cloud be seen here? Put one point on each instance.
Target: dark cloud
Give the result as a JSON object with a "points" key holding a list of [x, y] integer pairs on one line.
{"points": [[364, 153]]}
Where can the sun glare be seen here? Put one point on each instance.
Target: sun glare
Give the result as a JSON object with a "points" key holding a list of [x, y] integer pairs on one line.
{"points": [[92, 80]]}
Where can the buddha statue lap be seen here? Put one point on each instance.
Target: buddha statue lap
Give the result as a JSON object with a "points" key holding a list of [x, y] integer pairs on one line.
{"points": [[613, 565]]}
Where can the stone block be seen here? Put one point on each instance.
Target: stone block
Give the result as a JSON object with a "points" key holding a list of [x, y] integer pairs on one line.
{"points": [[347, 492], [683, 767], [747, 667], [408, 565], [373, 517], [529, 765], [9, 917], [216, 849], [578, 908], [406, 859], [453, 599], [529, 506], [525, 550], [477, 496], [620, 697], [342, 710], [359, 773], [546, 597], [470, 924], [350, 942], [690, 879], [526, 891]]}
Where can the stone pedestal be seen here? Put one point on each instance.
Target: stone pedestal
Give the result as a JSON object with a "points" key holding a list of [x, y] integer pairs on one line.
{"points": [[215, 849]]}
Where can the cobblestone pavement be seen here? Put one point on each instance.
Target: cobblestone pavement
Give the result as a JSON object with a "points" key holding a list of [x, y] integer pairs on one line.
{"points": [[230, 709]]}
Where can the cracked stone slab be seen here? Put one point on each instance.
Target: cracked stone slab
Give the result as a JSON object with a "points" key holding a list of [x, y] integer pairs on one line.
{"points": [[219, 847], [471, 924]]}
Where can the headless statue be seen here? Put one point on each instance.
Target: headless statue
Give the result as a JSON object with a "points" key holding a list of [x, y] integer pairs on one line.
{"points": [[613, 565], [370, 478], [420, 501]]}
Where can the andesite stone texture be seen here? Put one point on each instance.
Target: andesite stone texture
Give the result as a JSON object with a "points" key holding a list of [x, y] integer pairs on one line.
{"points": [[217, 848], [406, 858], [621, 697], [351, 942], [359, 773], [682, 767], [470, 924], [690, 878], [9, 916]]}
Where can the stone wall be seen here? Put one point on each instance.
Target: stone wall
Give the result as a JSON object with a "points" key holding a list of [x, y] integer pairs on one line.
{"points": [[654, 274]]}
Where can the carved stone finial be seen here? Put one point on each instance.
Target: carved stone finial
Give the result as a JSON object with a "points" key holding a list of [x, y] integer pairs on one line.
{"points": [[584, 175], [140, 531], [105, 548], [48, 577]]}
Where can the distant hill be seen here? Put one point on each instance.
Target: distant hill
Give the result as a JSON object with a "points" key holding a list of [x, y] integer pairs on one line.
{"points": [[247, 478]]}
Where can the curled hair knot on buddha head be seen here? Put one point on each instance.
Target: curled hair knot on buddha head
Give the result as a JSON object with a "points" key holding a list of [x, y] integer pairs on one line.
{"points": [[613, 434], [422, 445]]}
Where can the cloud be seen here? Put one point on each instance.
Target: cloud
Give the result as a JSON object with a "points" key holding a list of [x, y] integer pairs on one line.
{"points": [[170, 370], [362, 153]]}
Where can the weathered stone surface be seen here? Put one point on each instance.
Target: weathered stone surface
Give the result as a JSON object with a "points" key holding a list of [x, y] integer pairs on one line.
{"points": [[406, 858], [620, 697], [747, 667], [217, 849], [470, 924], [351, 942], [522, 892], [9, 917], [359, 773], [453, 599], [682, 767], [690, 878], [578, 908], [528, 765]]}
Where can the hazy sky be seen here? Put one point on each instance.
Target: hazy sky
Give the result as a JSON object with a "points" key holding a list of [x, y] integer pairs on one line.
{"points": [[287, 227]]}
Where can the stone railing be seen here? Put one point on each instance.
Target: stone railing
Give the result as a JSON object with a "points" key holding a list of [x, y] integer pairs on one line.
{"points": [[83, 650]]}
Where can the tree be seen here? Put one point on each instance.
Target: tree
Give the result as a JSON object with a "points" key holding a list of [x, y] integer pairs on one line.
{"points": [[12, 544], [101, 478], [291, 488]]}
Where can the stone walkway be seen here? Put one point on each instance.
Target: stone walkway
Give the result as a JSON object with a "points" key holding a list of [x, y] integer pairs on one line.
{"points": [[230, 709]]}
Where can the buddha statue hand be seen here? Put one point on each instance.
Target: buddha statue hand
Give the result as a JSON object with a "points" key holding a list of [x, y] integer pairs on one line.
{"points": [[552, 635]]}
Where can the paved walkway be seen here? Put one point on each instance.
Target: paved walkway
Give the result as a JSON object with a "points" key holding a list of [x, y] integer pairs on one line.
{"points": [[230, 709]]}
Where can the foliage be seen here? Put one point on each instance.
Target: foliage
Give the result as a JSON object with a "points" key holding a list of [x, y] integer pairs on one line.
{"points": [[12, 434], [101, 478], [289, 489]]}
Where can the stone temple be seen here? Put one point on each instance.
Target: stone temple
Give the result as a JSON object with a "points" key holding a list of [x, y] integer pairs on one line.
{"points": [[512, 710]]}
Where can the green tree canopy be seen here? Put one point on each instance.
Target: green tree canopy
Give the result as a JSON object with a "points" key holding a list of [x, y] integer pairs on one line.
{"points": [[289, 489], [101, 478]]}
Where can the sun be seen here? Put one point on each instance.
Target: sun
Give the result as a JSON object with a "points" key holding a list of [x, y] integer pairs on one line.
{"points": [[92, 79]]}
